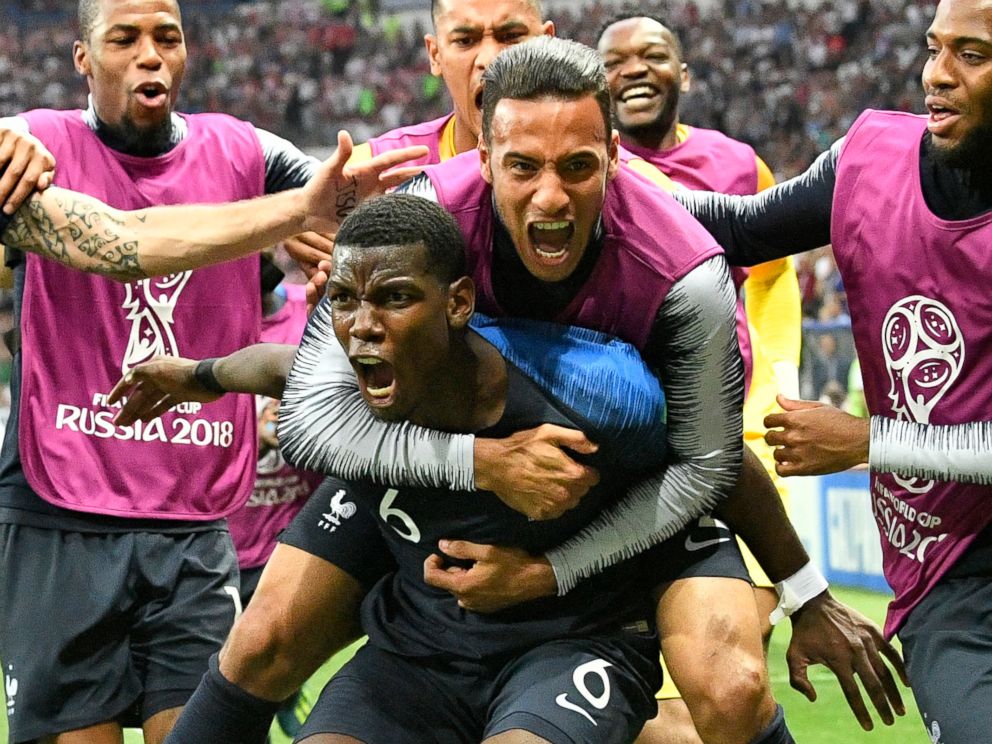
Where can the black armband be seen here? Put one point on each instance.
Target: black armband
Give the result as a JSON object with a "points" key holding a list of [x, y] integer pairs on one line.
{"points": [[204, 374]]}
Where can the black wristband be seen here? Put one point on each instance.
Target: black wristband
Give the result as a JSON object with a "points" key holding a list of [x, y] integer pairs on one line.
{"points": [[204, 374]]}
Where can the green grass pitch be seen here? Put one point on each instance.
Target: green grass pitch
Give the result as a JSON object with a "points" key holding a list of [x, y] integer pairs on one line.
{"points": [[828, 721]]}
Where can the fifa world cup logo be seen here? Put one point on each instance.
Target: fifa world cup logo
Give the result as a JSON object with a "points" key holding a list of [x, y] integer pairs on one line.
{"points": [[151, 305], [924, 352]]}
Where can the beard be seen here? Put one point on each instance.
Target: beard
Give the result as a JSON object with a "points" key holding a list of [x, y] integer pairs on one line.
{"points": [[973, 154], [657, 127], [130, 139]]}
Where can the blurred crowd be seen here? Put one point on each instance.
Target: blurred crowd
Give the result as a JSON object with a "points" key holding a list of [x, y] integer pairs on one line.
{"points": [[787, 78]]}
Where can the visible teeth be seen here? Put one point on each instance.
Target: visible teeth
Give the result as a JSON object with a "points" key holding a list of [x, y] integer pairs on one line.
{"points": [[379, 392], [549, 254], [370, 361], [550, 225], [640, 90]]}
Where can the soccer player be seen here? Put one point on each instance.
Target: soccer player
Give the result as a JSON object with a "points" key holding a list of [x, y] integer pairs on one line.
{"points": [[468, 34], [137, 512], [647, 74], [528, 268], [905, 201]]}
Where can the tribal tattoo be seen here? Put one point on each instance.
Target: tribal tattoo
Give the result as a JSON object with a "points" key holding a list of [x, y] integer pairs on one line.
{"points": [[80, 235]]}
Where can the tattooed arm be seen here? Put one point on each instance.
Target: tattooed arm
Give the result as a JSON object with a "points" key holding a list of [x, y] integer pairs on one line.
{"points": [[86, 234]]}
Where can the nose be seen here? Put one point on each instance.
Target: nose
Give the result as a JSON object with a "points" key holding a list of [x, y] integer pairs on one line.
{"points": [[365, 325], [489, 47], [149, 57], [938, 72], [551, 198], [633, 67]]}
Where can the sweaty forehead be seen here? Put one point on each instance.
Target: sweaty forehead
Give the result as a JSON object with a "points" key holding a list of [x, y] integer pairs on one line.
{"points": [[379, 262]]}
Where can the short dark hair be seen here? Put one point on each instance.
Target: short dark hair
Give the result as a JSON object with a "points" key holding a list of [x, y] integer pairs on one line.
{"points": [[404, 219], [436, 8], [87, 11], [545, 67], [627, 15]]}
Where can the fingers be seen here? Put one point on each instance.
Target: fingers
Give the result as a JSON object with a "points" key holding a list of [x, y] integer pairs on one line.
{"points": [[895, 659], [392, 158], [120, 388], [465, 549], [436, 575], [343, 152], [799, 679], [574, 439], [308, 253], [393, 178], [789, 404], [27, 162], [852, 693]]}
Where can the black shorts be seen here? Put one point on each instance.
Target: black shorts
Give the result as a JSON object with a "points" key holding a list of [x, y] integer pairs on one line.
{"points": [[249, 583], [947, 643], [595, 690], [706, 548], [99, 627], [341, 533]]}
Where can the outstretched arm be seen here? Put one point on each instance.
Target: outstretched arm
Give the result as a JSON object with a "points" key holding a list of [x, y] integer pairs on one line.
{"points": [[792, 217], [154, 387], [83, 233]]}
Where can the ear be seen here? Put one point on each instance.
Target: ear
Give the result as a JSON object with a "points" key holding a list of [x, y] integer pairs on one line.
{"points": [[433, 53], [461, 302], [485, 164], [81, 58], [614, 164], [686, 78], [548, 29]]}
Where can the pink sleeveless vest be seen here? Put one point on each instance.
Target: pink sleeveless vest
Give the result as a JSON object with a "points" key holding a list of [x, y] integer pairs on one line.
{"points": [[634, 272], [280, 489], [708, 160], [428, 134], [81, 332], [918, 287]]}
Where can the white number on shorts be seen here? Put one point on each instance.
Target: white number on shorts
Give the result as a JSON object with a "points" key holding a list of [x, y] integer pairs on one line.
{"points": [[597, 667], [386, 511]]}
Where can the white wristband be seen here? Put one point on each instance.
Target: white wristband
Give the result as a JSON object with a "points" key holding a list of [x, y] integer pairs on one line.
{"points": [[797, 590]]}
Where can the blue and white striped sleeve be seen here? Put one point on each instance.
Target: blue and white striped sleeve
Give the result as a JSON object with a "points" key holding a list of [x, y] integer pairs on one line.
{"points": [[703, 376], [957, 452], [326, 426]]}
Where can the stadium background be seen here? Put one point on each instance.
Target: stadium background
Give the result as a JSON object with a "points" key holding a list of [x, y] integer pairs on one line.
{"points": [[788, 78]]}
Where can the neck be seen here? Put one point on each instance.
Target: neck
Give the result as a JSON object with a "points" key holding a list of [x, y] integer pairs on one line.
{"points": [[464, 141], [471, 390], [129, 140], [657, 139]]}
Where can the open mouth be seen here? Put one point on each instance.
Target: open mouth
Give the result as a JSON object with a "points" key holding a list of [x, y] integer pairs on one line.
{"points": [[478, 99], [634, 93], [550, 239], [376, 378], [941, 116], [152, 95]]}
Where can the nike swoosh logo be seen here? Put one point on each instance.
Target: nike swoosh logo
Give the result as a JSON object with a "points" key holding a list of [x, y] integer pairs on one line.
{"points": [[692, 545]]}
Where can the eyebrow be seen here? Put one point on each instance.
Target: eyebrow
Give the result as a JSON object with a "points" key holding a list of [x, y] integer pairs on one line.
{"points": [[467, 28], [130, 27], [959, 40]]}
